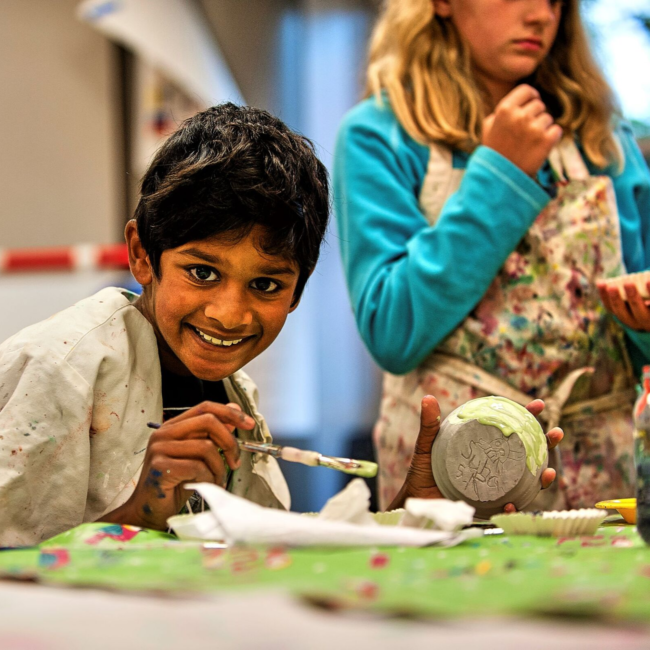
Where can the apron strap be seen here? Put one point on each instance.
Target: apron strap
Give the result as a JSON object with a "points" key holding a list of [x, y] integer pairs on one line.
{"points": [[555, 409], [566, 161], [442, 180]]}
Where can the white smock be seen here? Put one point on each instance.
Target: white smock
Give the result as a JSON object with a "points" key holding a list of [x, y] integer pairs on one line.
{"points": [[76, 393]]}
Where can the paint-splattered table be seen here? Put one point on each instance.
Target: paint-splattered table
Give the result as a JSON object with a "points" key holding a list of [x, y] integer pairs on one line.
{"points": [[605, 577]]}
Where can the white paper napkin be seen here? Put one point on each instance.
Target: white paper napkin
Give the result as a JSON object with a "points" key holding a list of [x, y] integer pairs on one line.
{"points": [[437, 513], [233, 519], [352, 504]]}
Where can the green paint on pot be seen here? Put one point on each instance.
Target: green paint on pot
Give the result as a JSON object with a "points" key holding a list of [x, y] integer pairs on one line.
{"points": [[511, 418]]}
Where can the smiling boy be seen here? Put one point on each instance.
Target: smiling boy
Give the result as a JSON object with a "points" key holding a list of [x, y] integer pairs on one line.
{"points": [[233, 211]]}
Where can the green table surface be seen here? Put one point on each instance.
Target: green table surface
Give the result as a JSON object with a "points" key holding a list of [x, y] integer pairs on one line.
{"points": [[606, 576]]}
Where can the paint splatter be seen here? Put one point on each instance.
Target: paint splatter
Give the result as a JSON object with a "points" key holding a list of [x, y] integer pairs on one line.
{"points": [[214, 558], [153, 481], [54, 558], [379, 561], [243, 560], [366, 590], [277, 558], [483, 567], [116, 532]]}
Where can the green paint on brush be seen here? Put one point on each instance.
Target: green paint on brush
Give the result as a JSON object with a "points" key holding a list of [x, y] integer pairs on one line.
{"points": [[367, 469], [511, 418]]}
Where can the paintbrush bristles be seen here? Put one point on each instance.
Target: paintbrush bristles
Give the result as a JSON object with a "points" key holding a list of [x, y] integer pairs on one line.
{"points": [[300, 456]]}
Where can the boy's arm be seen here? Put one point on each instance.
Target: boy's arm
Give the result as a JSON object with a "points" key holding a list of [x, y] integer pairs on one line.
{"points": [[45, 414], [193, 447]]}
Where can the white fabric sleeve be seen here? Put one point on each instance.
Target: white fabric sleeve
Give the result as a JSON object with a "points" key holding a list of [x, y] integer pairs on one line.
{"points": [[45, 415]]}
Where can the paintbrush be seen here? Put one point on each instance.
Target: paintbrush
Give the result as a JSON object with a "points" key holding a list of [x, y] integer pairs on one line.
{"points": [[362, 468]]}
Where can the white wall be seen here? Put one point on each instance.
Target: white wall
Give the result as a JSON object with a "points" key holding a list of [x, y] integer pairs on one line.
{"points": [[59, 142], [28, 298]]}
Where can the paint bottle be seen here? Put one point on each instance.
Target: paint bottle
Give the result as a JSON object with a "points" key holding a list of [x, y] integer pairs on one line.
{"points": [[642, 457]]}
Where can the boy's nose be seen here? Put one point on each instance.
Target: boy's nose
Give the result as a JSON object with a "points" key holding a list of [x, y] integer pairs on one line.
{"points": [[230, 312]]}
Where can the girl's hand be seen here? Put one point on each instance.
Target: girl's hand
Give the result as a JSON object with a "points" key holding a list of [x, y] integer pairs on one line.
{"points": [[185, 449], [521, 130], [633, 312], [419, 481]]}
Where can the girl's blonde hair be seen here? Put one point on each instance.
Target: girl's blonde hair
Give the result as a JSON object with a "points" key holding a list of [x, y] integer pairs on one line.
{"points": [[419, 60]]}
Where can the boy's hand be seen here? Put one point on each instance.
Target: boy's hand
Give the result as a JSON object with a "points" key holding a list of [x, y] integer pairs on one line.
{"points": [[185, 449], [633, 312], [521, 129], [419, 481]]}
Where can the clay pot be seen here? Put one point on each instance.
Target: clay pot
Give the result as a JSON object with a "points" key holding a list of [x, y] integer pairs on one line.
{"points": [[478, 464]]}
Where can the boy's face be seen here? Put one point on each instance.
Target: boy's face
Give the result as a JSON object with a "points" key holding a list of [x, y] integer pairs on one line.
{"points": [[216, 304]]}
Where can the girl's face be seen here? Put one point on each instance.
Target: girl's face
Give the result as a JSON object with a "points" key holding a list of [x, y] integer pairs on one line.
{"points": [[507, 39]]}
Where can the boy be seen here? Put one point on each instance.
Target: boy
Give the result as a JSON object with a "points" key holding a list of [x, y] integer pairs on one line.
{"points": [[228, 228]]}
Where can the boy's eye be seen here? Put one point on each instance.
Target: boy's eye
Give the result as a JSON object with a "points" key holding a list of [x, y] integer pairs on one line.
{"points": [[265, 284], [203, 273]]}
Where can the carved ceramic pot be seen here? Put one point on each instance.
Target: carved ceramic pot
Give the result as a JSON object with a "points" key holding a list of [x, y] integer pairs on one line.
{"points": [[490, 452]]}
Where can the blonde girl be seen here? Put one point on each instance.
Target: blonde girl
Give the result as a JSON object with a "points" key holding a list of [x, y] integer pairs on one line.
{"points": [[484, 190]]}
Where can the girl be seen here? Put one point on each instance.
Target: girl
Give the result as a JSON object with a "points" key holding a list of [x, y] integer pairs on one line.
{"points": [[483, 189]]}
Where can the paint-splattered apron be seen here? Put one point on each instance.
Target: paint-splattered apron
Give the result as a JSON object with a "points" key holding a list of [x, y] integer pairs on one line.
{"points": [[539, 331]]}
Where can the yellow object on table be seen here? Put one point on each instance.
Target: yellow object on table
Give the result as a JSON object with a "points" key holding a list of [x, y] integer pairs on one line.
{"points": [[626, 508]]}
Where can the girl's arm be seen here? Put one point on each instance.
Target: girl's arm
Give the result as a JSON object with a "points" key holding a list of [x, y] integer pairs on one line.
{"points": [[411, 284], [632, 188]]}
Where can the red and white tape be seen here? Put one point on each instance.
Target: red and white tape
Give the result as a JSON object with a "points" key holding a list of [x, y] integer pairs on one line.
{"points": [[80, 257]]}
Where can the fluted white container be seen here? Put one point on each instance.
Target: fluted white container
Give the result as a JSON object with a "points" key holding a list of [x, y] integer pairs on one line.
{"points": [[639, 280], [565, 523]]}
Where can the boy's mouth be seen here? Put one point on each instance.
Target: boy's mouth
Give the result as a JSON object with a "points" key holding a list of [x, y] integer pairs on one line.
{"points": [[217, 343]]}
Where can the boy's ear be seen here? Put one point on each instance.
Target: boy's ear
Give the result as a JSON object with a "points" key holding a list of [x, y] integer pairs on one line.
{"points": [[294, 305], [442, 8], [138, 258], [296, 300]]}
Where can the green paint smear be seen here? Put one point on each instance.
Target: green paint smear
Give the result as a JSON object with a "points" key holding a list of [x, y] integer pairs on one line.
{"points": [[511, 418], [367, 469]]}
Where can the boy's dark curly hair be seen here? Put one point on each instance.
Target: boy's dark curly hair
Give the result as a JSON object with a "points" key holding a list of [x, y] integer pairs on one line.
{"points": [[226, 170]]}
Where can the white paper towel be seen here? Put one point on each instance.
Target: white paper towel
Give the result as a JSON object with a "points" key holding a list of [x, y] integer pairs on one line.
{"points": [[345, 521], [352, 504], [441, 514]]}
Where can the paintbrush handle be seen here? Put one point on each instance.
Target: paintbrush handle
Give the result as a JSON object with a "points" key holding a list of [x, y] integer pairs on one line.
{"points": [[311, 458], [260, 448], [290, 454], [303, 456]]}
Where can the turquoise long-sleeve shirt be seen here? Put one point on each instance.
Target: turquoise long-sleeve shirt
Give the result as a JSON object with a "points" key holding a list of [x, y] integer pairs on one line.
{"points": [[412, 284]]}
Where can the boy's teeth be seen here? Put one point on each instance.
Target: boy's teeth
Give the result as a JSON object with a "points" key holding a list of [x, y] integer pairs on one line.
{"points": [[214, 341]]}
